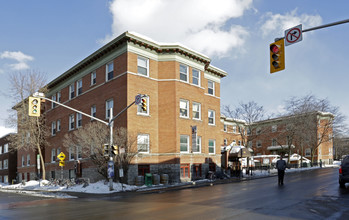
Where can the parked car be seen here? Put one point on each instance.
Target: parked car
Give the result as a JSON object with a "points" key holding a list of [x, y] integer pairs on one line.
{"points": [[337, 162], [344, 172]]}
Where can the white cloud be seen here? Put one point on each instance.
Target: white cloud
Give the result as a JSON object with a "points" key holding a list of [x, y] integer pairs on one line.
{"points": [[276, 24], [18, 56], [203, 25], [4, 131]]}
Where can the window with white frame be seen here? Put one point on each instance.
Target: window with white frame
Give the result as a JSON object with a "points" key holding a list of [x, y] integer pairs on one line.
{"points": [[0, 149], [274, 128], [6, 179], [71, 91], [196, 77], [5, 164], [234, 129], [54, 98], [109, 71], [258, 130], [0, 165], [273, 142], [140, 111], [23, 161], [78, 120], [259, 144], [93, 78], [53, 155], [184, 108], [58, 125], [93, 111], [71, 153], [239, 143], [225, 142], [79, 87], [225, 128], [211, 146], [71, 122], [197, 149], [184, 144], [210, 86], [196, 111], [143, 66], [211, 117], [143, 143], [28, 160], [5, 148], [307, 152], [183, 73], [109, 104], [59, 97], [53, 128], [79, 152]]}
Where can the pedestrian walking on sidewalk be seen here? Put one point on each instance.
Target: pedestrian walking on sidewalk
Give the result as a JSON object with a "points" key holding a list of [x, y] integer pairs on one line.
{"points": [[281, 166]]}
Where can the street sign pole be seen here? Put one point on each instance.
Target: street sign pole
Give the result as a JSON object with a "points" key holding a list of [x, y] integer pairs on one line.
{"points": [[111, 123]]}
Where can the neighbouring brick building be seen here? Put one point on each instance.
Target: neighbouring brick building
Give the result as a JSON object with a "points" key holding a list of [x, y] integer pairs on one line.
{"points": [[8, 161], [182, 88]]}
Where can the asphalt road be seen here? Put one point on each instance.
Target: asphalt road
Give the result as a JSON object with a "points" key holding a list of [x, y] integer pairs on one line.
{"points": [[311, 194]]}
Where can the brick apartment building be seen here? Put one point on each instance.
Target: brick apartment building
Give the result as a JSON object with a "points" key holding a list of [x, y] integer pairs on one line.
{"points": [[8, 161], [182, 88], [274, 137]]}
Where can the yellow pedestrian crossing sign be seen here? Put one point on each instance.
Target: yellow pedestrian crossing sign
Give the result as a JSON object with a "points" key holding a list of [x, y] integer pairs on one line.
{"points": [[61, 156]]}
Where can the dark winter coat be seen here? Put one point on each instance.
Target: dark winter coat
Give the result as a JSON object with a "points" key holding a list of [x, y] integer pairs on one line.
{"points": [[281, 164]]}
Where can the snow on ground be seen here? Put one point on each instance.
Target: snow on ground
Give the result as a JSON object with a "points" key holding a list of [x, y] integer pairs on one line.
{"points": [[46, 189]]}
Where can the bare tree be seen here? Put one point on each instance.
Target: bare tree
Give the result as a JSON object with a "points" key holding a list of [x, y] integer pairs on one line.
{"points": [[91, 139], [316, 124], [31, 131]]}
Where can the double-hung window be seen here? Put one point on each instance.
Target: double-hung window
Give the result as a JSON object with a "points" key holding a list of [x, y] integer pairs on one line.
{"points": [[79, 152], [28, 160], [78, 120], [109, 105], [71, 122], [184, 144], [53, 155], [5, 148], [79, 87], [59, 97], [53, 128], [184, 108], [196, 77], [211, 146], [0, 149], [109, 71], [183, 73], [59, 125], [23, 161], [196, 111], [140, 109], [71, 91], [6, 164], [211, 117], [143, 66], [93, 78], [71, 153], [210, 86], [197, 148], [93, 111], [54, 98], [0, 168], [143, 143]]}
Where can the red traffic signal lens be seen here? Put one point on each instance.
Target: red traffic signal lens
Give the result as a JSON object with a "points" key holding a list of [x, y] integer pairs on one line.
{"points": [[274, 48]]}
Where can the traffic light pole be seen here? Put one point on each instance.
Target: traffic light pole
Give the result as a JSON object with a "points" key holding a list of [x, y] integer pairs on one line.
{"points": [[320, 27]]}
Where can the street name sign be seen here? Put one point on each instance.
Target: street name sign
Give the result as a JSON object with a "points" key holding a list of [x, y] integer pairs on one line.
{"points": [[293, 35]]}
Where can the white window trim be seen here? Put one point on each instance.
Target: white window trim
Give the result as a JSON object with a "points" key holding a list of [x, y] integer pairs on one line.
{"points": [[187, 74], [200, 144], [225, 127], [188, 144], [187, 104], [214, 117], [28, 160], [199, 77], [23, 161], [199, 104], [71, 121], [71, 89], [148, 144], [106, 107], [213, 87], [78, 117], [5, 167], [71, 153], [106, 71], [59, 96], [93, 76], [53, 128], [147, 67], [5, 148], [140, 106], [54, 98], [78, 86], [93, 110], [214, 146], [53, 154], [78, 149], [58, 125]]}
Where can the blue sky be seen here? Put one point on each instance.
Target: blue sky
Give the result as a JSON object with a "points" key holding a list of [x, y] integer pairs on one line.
{"points": [[52, 36]]}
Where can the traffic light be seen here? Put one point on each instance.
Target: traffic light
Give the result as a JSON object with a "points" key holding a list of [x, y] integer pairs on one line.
{"points": [[115, 150], [34, 107], [144, 104], [106, 150], [277, 56]]}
